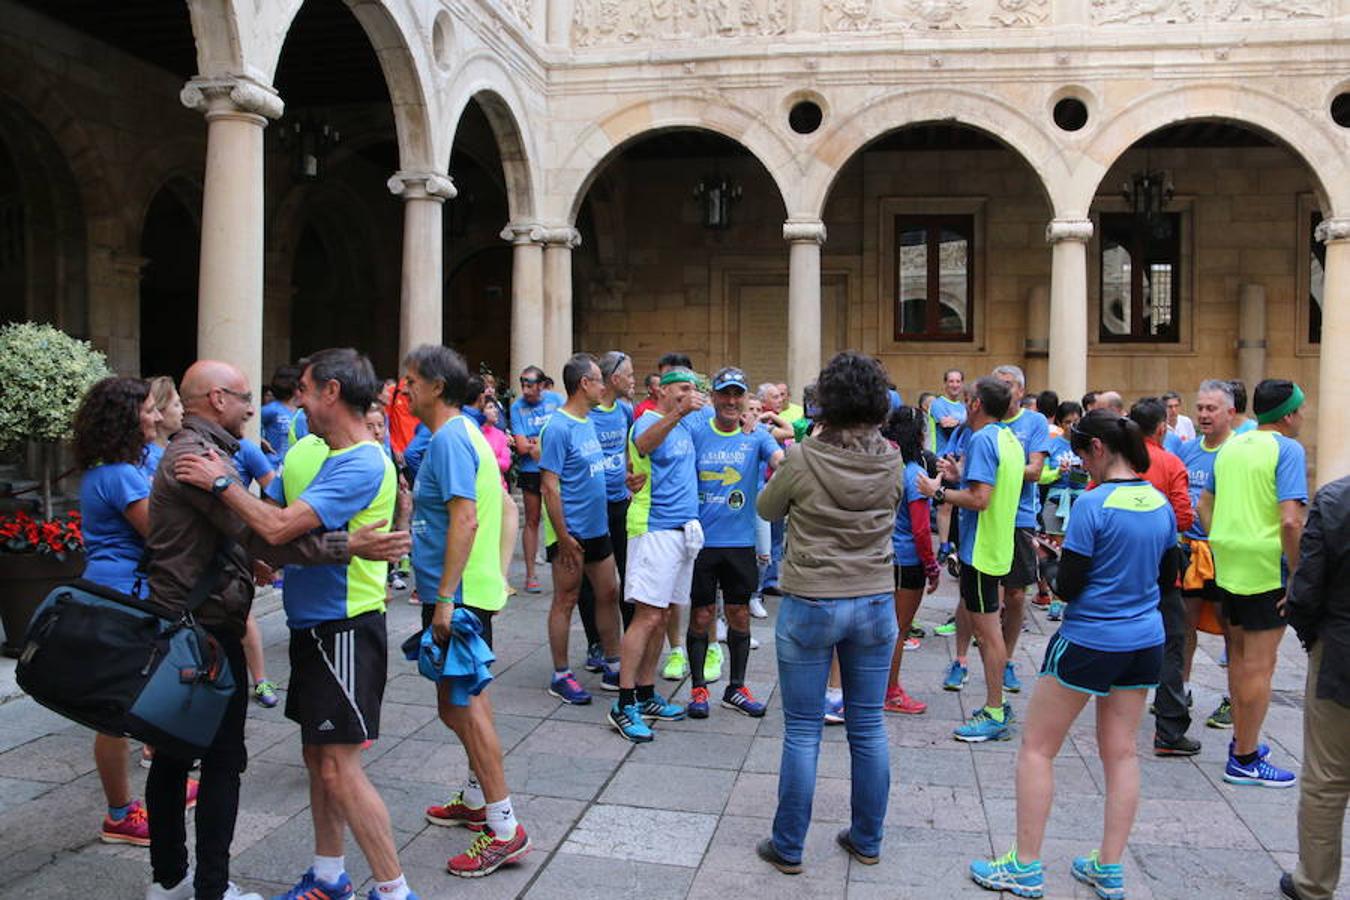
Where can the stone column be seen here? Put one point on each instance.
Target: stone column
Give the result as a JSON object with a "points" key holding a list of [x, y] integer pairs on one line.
{"points": [[1333, 388], [1252, 334], [1068, 306], [804, 237], [527, 295], [558, 341], [230, 287], [420, 320]]}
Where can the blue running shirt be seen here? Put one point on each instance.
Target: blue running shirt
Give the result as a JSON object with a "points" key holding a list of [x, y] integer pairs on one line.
{"points": [[276, 427], [1033, 431], [528, 419], [569, 448], [251, 462], [611, 428], [902, 539], [1199, 459], [112, 547], [942, 408], [730, 468], [669, 496]]}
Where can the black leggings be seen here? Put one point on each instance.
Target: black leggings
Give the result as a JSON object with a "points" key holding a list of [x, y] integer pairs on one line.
{"points": [[217, 798], [618, 536]]}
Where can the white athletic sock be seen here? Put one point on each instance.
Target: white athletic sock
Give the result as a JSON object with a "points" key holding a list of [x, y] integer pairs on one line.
{"points": [[393, 890], [834, 695], [501, 818], [473, 792], [329, 869]]}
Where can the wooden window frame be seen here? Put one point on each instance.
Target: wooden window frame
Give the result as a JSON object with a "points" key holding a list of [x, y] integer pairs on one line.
{"points": [[1138, 248], [932, 224]]}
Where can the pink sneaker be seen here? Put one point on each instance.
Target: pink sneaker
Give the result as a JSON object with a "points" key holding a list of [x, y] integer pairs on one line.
{"points": [[897, 701], [134, 827], [192, 785]]}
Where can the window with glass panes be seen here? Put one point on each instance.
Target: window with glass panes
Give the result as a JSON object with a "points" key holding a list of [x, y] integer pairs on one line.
{"points": [[934, 293], [1141, 281]]}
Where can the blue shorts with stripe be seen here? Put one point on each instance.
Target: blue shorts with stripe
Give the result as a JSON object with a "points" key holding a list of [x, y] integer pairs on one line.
{"points": [[1098, 672]]}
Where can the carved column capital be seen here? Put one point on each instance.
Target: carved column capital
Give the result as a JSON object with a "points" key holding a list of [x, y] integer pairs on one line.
{"points": [[1079, 230], [216, 96], [523, 233], [804, 231], [1329, 230], [422, 186], [562, 236]]}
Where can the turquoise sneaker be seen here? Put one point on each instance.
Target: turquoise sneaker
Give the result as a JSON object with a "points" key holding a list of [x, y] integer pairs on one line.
{"points": [[1056, 611], [628, 721], [658, 708], [1007, 874], [982, 727], [1011, 683], [957, 676], [1107, 881]]}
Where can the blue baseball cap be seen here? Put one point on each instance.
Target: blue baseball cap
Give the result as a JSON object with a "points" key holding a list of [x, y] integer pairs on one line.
{"points": [[729, 377]]}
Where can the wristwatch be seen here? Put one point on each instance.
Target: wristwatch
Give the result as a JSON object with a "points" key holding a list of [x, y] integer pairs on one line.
{"points": [[221, 484], [940, 494]]}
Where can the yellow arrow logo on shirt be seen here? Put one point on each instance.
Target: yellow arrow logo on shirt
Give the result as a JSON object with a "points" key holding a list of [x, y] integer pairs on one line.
{"points": [[728, 476]]}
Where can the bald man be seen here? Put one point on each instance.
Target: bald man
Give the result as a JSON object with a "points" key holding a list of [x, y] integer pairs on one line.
{"points": [[194, 537]]}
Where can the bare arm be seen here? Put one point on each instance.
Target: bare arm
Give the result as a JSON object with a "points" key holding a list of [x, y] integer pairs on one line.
{"points": [[1206, 511], [975, 497], [1035, 463], [1291, 531], [650, 439], [138, 514]]}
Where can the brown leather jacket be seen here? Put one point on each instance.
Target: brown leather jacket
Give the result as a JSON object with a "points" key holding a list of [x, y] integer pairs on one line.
{"points": [[187, 528]]}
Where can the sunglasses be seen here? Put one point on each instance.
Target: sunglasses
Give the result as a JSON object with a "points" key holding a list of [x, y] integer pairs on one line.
{"points": [[619, 358], [528, 382]]}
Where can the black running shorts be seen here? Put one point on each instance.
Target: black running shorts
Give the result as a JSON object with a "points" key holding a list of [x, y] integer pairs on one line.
{"points": [[338, 671]]}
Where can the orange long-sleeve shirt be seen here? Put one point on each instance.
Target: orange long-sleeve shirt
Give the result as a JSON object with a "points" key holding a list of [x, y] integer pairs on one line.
{"points": [[1167, 473]]}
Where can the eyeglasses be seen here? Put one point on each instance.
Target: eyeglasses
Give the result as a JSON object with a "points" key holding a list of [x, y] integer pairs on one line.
{"points": [[245, 396]]}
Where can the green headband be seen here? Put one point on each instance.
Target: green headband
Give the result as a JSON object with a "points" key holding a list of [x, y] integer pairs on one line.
{"points": [[677, 375], [1274, 415]]}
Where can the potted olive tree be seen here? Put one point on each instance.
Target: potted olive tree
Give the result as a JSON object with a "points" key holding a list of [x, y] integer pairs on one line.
{"points": [[44, 373]]}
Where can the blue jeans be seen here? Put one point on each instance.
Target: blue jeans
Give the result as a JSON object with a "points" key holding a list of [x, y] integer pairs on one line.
{"points": [[862, 631], [769, 578]]}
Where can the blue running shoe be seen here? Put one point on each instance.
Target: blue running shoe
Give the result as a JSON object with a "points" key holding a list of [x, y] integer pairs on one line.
{"points": [[1007, 713], [1262, 750], [1007, 874], [834, 712], [1056, 611], [698, 703], [609, 680], [375, 895], [1107, 881], [1260, 773], [629, 722], [1011, 683], [982, 727], [743, 701], [569, 690], [595, 658], [957, 676], [659, 708], [309, 887]]}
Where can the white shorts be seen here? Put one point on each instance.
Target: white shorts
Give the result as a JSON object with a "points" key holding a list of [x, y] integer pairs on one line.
{"points": [[661, 566]]}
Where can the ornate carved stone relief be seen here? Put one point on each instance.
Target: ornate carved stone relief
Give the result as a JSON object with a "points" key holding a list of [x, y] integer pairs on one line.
{"points": [[1149, 12], [610, 22], [523, 10], [899, 15]]}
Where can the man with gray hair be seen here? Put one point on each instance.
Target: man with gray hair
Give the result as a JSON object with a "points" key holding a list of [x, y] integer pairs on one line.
{"points": [[1178, 424]]}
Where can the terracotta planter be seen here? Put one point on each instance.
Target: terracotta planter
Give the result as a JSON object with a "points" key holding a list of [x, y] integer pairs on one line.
{"points": [[25, 581]]}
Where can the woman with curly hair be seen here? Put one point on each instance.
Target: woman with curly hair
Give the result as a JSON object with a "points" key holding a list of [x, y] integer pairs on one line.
{"points": [[839, 490]]}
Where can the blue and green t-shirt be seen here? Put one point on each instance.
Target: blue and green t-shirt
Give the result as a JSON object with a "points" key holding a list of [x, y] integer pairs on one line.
{"points": [[1199, 459], [1254, 473], [669, 496], [993, 456], [942, 408], [611, 429], [569, 448], [528, 419], [347, 489], [729, 465], [902, 538], [1123, 527], [1033, 431]]}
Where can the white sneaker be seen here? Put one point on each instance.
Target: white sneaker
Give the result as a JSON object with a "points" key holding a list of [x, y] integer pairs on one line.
{"points": [[757, 609], [180, 891], [754, 643], [721, 630], [232, 892]]}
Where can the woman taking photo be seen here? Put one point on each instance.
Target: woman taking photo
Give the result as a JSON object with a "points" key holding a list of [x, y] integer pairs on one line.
{"points": [[839, 489], [1120, 546], [912, 541]]}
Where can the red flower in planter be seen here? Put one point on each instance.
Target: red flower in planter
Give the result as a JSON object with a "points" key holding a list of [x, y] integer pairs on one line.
{"points": [[21, 533]]}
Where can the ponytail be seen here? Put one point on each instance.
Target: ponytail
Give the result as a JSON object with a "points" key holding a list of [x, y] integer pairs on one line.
{"points": [[1120, 435]]}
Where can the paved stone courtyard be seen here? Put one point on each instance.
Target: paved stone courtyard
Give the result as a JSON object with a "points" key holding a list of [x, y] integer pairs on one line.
{"points": [[678, 817]]}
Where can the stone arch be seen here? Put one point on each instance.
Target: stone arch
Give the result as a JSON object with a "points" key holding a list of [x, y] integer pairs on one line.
{"points": [[392, 28], [482, 79], [601, 141], [995, 117], [215, 27], [1278, 119]]}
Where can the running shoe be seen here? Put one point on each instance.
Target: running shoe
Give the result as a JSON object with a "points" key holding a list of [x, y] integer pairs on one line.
{"points": [[1007, 874], [953, 563], [595, 658], [456, 812], [834, 712], [957, 676], [309, 887], [657, 707], [532, 586], [628, 721], [982, 727], [181, 891], [133, 828], [947, 628], [757, 609], [721, 630], [1056, 611], [488, 853], [1222, 717], [677, 665], [235, 892], [754, 642], [568, 690], [897, 701], [917, 631], [912, 644], [265, 693], [1287, 888], [1042, 600], [712, 664], [1262, 750], [397, 581], [741, 700], [1011, 683], [609, 680], [193, 786], [1260, 773], [1182, 746], [1107, 881], [698, 703], [1007, 713]]}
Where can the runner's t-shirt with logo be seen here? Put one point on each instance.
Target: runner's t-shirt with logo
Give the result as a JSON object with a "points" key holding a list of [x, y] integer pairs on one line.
{"points": [[993, 456], [669, 497], [902, 539], [730, 466], [1124, 528], [611, 429], [276, 427], [942, 408], [459, 465], [347, 489], [1033, 431], [1199, 460], [528, 419], [1253, 474], [569, 448]]}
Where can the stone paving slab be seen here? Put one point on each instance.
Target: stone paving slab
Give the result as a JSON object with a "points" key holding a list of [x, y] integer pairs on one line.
{"points": [[680, 817]]}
